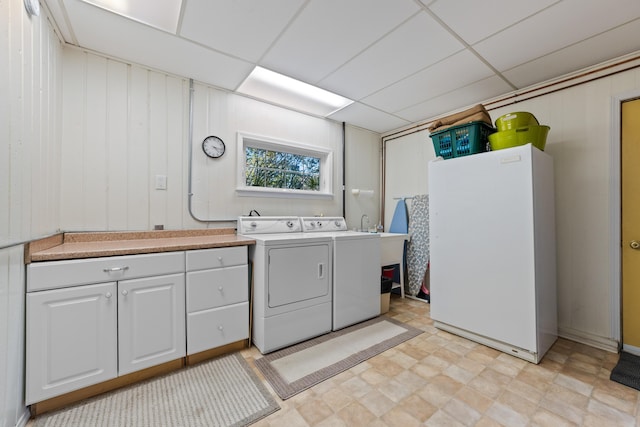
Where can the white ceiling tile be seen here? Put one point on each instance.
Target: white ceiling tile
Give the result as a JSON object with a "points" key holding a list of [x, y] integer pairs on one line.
{"points": [[330, 32], [563, 24], [368, 118], [243, 28], [120, 37], [458, 70], [464, 96], [606, 46], [474, 20], [396, 56]]}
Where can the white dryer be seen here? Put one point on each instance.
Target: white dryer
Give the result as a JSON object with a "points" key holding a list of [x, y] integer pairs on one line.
{"points": [[356, 270], [292, 277]]}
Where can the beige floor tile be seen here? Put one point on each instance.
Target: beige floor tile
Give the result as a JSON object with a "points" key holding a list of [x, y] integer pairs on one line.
{"points": [[417, 407], [440, 379], [377, 403], [462, 412], [506, 415], [399, 418], [543, 418], [441, 418], [600, 409], [315, 411], [475, 399], [337, 399], [518, 403], [356, 415]]}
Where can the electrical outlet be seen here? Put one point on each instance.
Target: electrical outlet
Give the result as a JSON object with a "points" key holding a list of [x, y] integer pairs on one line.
{"points": [[161, 182]]}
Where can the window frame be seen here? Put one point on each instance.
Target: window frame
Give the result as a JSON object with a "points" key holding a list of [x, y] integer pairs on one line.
{"points": [[246, 139]]}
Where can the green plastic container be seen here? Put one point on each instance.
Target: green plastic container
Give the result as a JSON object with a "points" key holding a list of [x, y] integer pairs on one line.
{"points": [[462, 140], [516, 120], [535, 135]]}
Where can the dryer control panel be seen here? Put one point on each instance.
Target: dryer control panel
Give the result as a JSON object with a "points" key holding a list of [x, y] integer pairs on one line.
{"points": [[268, 224], [323, 223]]}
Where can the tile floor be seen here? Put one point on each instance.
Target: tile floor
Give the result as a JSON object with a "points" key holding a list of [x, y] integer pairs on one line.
{"points": [[439, 379]]}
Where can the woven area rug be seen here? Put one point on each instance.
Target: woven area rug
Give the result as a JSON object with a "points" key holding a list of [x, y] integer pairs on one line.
{"points": [[627, 371], [221, 392], [296, 368]]}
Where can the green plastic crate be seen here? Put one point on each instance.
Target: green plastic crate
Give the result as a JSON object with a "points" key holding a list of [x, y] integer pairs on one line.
{"points": [[462, 140]]}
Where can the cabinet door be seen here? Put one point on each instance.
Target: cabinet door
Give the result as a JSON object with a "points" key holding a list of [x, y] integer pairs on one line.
{"points": [[71, 338], [151, 321]]}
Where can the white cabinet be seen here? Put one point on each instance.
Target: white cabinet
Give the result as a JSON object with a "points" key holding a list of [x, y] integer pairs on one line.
{"points": [[150, 322], [217, 298], [82, 334], [71, 339]]}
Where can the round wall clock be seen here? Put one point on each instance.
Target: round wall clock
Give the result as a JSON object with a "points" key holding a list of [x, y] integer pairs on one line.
{"points": [[213, 147]]}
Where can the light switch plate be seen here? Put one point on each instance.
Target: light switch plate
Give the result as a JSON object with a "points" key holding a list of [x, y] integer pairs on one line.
{"points": [[161, 182]]}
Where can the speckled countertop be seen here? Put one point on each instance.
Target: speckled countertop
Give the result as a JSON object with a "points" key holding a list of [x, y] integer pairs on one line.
{"points": [[102, 244]]}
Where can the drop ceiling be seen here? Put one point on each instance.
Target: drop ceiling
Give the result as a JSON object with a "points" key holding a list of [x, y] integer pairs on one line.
{"points": [[401, 61]]}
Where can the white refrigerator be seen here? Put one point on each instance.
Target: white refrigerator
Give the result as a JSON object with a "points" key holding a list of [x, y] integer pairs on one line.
{"points": [[493, 256]]}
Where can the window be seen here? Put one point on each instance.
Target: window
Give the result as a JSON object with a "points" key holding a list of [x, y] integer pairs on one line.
{"points": [[274, 168]]}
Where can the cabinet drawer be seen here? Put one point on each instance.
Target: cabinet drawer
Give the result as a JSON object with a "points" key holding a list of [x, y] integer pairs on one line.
{"points": [[216, 258], [208, 289], [217, 327], [61, 274]]}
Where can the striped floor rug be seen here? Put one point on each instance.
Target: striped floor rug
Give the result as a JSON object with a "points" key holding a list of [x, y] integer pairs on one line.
{"points": [[221, 392], [296, 368]]}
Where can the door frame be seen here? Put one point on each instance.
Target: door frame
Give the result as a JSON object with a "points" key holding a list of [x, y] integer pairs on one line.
{"points": [[615, 212]]}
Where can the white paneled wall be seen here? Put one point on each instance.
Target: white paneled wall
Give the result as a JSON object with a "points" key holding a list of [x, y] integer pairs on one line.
{"points": [[214, 180], [580, 143], [363, 155], [30, 85], [123, 125], [406, 169], [12, 291], [29, 125]]}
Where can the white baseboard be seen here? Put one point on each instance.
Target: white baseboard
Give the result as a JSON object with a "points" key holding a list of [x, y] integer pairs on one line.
{"points": [[589, 339], [631, 349], [24, 418]]}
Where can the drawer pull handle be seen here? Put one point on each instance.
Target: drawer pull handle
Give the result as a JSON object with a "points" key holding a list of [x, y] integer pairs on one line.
{"points": [[220, 258], [220, 289], [114, 269], [107, 295], [125, 292], [220, 328]]}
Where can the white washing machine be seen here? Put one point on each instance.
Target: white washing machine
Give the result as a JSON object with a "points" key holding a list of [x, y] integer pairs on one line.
{"points": [[356, 270], [292, 278]]}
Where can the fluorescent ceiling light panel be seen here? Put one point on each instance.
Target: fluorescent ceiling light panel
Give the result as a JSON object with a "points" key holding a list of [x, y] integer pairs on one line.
{"points": [[161, 14], [282, 90]]}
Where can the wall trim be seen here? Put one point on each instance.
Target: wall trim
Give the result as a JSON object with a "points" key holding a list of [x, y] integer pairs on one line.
{"points": [[586, 75], [615, 212], [631, 349], [588, 339]]}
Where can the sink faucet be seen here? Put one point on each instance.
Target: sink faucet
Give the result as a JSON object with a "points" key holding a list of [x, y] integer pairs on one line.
{"points": [[361, 222]]}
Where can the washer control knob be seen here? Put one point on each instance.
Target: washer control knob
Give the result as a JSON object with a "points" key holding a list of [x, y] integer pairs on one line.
{"points": [[290, 224], [253, 224], [319, 224]]}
